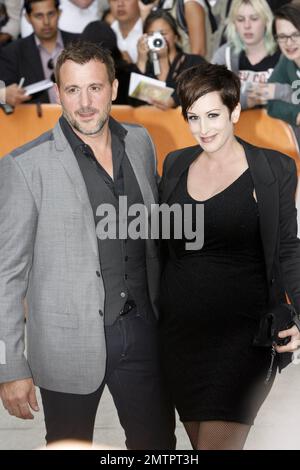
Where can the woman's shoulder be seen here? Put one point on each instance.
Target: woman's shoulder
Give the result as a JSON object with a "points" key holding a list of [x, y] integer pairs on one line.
{"points": [[175, 155], [279, 162]]}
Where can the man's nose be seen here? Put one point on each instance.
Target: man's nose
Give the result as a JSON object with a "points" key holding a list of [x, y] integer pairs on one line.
{"points": [[46, 20], [85, 98]]}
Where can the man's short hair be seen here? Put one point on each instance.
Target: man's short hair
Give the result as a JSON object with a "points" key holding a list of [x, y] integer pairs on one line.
{"points": [[206, 78], [28, 5], [82, 52]]}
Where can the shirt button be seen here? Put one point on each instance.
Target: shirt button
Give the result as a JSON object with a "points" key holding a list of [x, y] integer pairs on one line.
{"points": [[100, 313], [126, 258], [126, 276], [123, 295], [98, 273]]}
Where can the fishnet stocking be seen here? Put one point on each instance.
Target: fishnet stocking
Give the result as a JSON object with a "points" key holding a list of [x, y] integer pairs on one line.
{"points": [[217, 435]]}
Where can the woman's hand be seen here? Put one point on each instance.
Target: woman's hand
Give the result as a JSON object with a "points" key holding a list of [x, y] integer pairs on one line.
{"points": [[146, 9], [163, 105], [143, 49], [294, 342], [265, 91]]}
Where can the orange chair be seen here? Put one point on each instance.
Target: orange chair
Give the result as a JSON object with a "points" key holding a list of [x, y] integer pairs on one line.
{"points": [[258, 128]]}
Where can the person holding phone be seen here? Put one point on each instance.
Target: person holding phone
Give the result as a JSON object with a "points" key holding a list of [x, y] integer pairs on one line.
{"points": [[250, 51]]}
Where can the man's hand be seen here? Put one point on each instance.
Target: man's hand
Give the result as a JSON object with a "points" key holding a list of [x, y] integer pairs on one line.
{"points": [[18, 397], [15, 95]]}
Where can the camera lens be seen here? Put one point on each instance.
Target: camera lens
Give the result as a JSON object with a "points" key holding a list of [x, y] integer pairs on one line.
{"points": [[157, 43]]}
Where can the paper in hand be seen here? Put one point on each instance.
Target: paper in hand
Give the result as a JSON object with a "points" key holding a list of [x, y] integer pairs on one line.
{"points": [[147, 89], [38, 86]]}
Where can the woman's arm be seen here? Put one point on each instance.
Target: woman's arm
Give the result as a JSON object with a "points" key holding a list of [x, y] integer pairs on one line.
{"points": [[278, 108], [289, 247], [195, 19]]}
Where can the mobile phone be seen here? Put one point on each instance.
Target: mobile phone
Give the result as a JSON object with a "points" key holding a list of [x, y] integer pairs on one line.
{"points": [[7, 108]]}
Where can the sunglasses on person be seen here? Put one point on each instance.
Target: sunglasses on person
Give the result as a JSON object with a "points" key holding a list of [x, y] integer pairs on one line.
{"points": [[50, 65]]}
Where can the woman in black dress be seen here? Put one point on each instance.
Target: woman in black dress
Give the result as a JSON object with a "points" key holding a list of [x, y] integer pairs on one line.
{"points": [[212, 298]]}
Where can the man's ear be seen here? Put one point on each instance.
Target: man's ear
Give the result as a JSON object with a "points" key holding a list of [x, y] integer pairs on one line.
{"points": [[235, 115], [115, 85], [56, 89]]}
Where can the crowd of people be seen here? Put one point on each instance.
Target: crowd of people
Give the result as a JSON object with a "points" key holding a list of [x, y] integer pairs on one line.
{"points": [[178, 322], [240, 34]]}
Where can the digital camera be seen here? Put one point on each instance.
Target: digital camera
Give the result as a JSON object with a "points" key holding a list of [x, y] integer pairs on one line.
{"points": [[156, 41]]}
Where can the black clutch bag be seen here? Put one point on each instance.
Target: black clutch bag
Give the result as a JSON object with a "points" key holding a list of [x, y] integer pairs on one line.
{"points": [[282, 317]]}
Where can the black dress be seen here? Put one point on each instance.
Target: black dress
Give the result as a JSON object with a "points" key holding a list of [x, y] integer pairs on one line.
{"points": [[211, 301]]}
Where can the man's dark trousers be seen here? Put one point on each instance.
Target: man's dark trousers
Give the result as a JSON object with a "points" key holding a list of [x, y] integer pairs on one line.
{"points": [[133, 376]]}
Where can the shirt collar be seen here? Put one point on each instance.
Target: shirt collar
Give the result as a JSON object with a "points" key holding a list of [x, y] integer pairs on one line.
{"points": [[59, 40], [75, 141]]}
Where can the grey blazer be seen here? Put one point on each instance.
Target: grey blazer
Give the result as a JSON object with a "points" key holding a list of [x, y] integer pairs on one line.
{"points": [[49, 254]]}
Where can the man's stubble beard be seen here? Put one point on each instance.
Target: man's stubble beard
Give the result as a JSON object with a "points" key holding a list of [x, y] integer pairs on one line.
{"points": [[96, 130]]}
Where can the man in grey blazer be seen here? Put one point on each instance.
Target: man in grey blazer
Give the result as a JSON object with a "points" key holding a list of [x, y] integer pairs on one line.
{"points": [[92, 300]]}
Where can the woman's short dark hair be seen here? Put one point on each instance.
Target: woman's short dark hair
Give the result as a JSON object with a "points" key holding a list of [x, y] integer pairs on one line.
{"points": [[28, 5], [161, 15], [82, 52], [290, 12], [205, 78]]}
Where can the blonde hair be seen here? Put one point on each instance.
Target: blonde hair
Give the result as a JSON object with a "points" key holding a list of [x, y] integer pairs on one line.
{"points": [[264, 11]]}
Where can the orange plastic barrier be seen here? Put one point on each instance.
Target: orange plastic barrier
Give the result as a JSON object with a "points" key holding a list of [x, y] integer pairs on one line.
{"points": [[258, 128], [168, 129]]}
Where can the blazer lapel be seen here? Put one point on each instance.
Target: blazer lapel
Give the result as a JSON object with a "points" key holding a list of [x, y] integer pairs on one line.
{"points": [[267, 194], [136, 160], [71, 167], [180, 165]]}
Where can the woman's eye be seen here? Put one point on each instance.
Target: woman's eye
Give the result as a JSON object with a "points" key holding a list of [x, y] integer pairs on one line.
{"points": [[213, 115], [192, 118]]}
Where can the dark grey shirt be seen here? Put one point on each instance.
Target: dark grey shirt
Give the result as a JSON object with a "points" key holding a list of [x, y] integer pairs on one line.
{"points": [[122, 262]]}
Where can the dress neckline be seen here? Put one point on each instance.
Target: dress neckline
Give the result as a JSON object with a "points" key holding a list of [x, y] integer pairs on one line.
{"points": [[217, 194]]}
